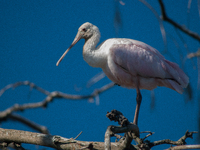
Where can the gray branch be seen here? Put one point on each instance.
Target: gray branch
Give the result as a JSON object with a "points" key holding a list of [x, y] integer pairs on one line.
{"points": [[186, 147], [49, 98], [18, 136], [182, 28], [181, 141], [31, 124]]}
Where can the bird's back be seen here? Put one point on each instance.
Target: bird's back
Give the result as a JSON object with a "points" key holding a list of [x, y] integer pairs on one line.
{"points": [[129, 59]]}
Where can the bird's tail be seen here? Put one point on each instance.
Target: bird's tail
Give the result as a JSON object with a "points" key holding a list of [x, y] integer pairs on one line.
{"points": [[181, 79]]}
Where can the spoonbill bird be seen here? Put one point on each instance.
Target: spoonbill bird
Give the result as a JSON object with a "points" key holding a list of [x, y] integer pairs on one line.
{"points": [[129, 63]]}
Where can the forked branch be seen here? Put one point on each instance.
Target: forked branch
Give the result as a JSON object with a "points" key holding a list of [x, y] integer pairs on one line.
{"points": [[175, 24], [49, 98], [132, 132]]}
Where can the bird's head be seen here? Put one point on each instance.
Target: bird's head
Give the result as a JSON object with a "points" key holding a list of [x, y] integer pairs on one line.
{"points": [[85, 31]]}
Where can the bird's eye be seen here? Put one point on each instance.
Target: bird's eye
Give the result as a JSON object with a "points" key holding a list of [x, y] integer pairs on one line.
{"points": [[84, 29]]}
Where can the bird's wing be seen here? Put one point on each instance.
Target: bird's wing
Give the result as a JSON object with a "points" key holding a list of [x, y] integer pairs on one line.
{"points": [[140, 59]]}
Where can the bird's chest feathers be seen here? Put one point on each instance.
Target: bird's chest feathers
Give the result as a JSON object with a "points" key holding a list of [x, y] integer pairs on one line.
{"points": [[94, 58]]}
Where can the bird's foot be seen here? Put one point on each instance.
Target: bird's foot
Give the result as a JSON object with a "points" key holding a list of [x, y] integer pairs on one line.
{"points": [[117, 84]]}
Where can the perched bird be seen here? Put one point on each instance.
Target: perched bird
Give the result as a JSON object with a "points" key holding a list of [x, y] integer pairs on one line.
{"points": [[129, 63]]}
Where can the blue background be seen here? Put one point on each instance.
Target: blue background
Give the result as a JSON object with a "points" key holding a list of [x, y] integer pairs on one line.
{"points": [[34, 34]]}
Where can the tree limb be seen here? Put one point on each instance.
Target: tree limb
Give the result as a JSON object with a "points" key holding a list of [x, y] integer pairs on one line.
{"points": [[33, 125], [182, 147], [50, 97], [18, 136], [131, 130], [181, 141], [182, 28]]}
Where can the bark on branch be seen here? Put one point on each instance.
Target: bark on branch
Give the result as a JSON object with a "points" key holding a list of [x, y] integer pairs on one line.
{"points": [[17, 137], [132, 132], [182, 147], [53, 141]]}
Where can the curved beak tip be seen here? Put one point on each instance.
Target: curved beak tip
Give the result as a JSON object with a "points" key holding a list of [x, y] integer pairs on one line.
{"points": [[58, 62], [77, 38]]}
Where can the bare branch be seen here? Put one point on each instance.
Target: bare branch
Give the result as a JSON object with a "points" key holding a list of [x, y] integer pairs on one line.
{"points": [[50, 97], [27, 83], [182, 147], [33, 125], [121, 2], [197, 54], [18, 136], [78, 135], [130, 129], [181, 141], [150, 133], [182, 28], [8, 136], [95, 79], [112, 130]]}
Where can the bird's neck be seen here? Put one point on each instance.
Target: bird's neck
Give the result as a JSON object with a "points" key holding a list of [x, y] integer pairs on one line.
{"points": [[92, 55]]}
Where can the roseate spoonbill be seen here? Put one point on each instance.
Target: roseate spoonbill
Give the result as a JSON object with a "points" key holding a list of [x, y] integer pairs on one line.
{"points": [[129, 63]]}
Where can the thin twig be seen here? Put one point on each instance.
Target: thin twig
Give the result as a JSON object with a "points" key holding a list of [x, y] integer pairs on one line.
{"points": [[78, 135], [150, 133], [95, 79], [26, 83], [181, 141], [196, 54]]}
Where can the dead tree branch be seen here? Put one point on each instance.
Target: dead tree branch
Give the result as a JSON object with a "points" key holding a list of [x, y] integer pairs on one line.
{"points": [[31, 124], [50, 97], [181, 141], [9, 112], [196, 54], [132, 132], [182, 28], [182, 147], [26, 83], [17, 136]]}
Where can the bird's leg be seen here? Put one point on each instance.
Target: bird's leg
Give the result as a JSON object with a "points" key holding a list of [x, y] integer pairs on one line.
{"points": [[138, 100]]}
